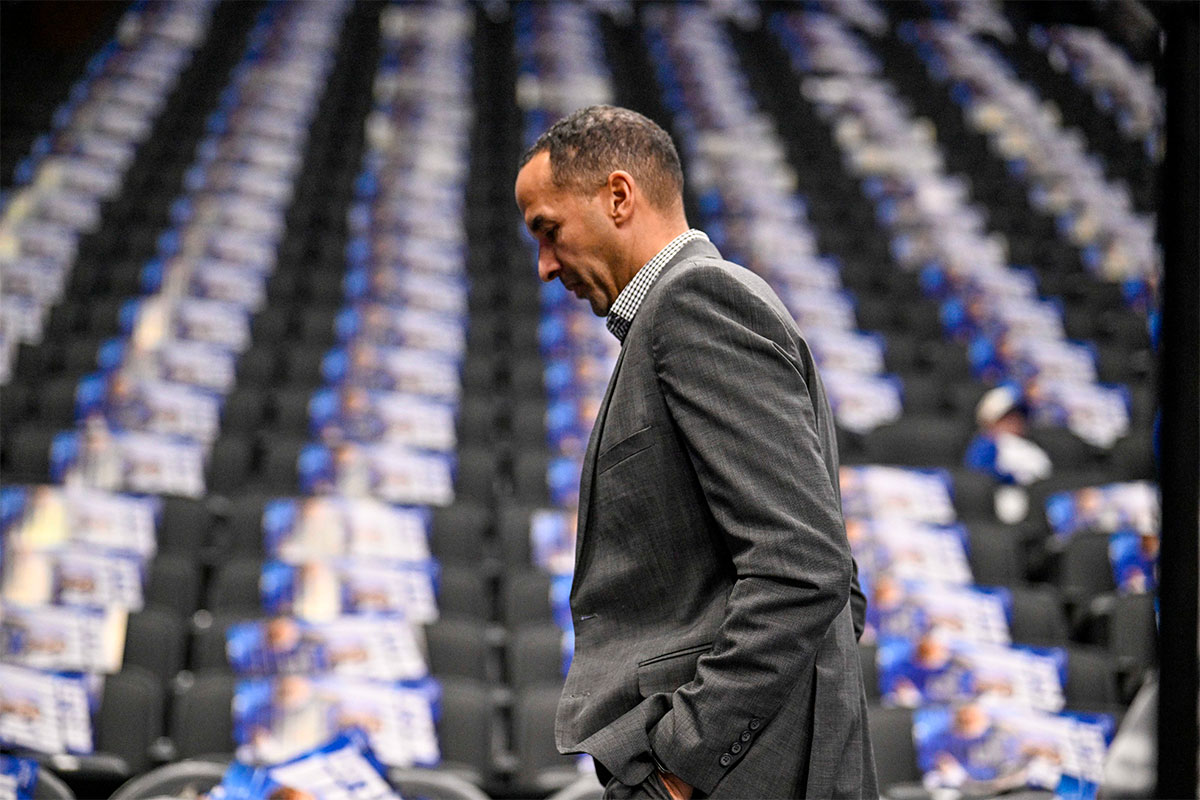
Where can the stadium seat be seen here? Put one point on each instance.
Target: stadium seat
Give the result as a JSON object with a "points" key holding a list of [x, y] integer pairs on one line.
{"points": [[476, 425], [467, 730], [190, 778], [868, 663], [460, 532], [877, 313], [185, 527], [1121, 325], [15, 403], [63, 320], [1084, 568], [528, 422], [32, 363], [1066, 450], [281, 286], [79, 354], [1132, 458], [1120, 363], [464, 591], [433, 785], [228, 464], [462, 648], [475, 476], [316, 325], [926, 441], [235, 587], [243, 410], [478, 374], [155, 640], [269, 326], [56, 401], [512, 529], [240, 531], [947, 360], [525, 377], [201, 717], [28, 455], [996, 554], [1079, 322], [1092, 681], [51, 787], [1038, 616], [586, 787], [850, 447], [526, 598], [920, 318], [278, 466], [128, 722], [529, 477], [102, 314], [540, 767], [302, 364], [973, 494], [895, 752], [1133, 634], [324, 285], [923, 394], [534, 656], [962, 396], [899, 353], [291, 410], [173, 582], [207, 651], [259, 366]]}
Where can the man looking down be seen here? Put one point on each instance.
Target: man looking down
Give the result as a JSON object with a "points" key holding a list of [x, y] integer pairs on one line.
{"points": [[715, 643]]}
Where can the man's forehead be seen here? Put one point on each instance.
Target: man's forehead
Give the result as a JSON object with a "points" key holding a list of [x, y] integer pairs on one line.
{"points": [[533, 180], [535, 191]]}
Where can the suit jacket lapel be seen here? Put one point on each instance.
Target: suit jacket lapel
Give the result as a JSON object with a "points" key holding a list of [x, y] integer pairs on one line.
{"points": [[589, 461], [690, 250]]}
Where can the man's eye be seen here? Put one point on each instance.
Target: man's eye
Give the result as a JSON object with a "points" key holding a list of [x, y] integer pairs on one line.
{"points": [[551, 234]]}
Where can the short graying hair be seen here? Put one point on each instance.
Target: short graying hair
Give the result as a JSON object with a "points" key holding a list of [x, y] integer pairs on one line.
{"points": [[591, 143]]}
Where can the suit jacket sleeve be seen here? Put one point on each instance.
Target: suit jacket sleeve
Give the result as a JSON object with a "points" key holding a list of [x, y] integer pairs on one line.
{"points": [[739, 396]]}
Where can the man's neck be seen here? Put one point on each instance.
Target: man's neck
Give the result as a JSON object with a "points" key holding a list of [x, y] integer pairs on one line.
{"points": [[649, 245]]}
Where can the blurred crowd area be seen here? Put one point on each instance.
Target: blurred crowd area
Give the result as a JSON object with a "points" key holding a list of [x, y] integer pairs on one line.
{"points": [[291, 435]]}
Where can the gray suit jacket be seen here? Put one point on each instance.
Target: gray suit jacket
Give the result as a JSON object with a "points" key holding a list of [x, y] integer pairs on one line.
{"points": [[713, 628]]}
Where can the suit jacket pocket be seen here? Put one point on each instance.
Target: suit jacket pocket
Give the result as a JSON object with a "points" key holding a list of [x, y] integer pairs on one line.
{"points": [[669, 671], [616, 453]]}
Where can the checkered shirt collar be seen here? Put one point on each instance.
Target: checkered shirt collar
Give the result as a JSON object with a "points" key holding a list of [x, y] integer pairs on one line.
{"points": [[621, 315]]}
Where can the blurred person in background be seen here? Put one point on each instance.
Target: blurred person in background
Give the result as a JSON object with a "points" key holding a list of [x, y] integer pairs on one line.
{"points": [[1001, 450]]}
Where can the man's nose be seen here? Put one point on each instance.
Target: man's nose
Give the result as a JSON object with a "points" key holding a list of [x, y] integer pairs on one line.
{"points": [[547, 265]]}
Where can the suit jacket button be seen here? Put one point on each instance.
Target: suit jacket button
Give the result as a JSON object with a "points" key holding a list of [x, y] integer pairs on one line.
{"points": [[735, 748], [755, 724], [745, 736], [726, 760]]}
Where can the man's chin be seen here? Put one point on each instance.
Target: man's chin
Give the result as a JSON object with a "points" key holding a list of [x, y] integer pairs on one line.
{"points": [[599, 307]]}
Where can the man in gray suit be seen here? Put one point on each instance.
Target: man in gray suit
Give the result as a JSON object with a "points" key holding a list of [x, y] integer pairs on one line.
{"points": [[715, 642]]}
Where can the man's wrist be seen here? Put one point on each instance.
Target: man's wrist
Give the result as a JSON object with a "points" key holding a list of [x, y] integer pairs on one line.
{"points": [[677, 787]]}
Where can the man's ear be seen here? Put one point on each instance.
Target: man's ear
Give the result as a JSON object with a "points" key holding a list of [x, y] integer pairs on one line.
{"points": [[622, 196]]}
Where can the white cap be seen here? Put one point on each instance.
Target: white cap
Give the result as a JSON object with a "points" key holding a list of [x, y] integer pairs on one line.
{"points": [[995, 404]]}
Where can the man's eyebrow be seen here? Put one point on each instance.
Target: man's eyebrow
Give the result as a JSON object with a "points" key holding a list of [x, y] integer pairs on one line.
{"points": [[537, 224]]}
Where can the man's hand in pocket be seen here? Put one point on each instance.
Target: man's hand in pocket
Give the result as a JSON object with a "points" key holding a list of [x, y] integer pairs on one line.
{"points": [[678, 789]]}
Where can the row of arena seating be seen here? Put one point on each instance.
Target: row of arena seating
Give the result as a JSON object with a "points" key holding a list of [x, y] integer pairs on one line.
{"points": [[361, 223], [1061, 595]]}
